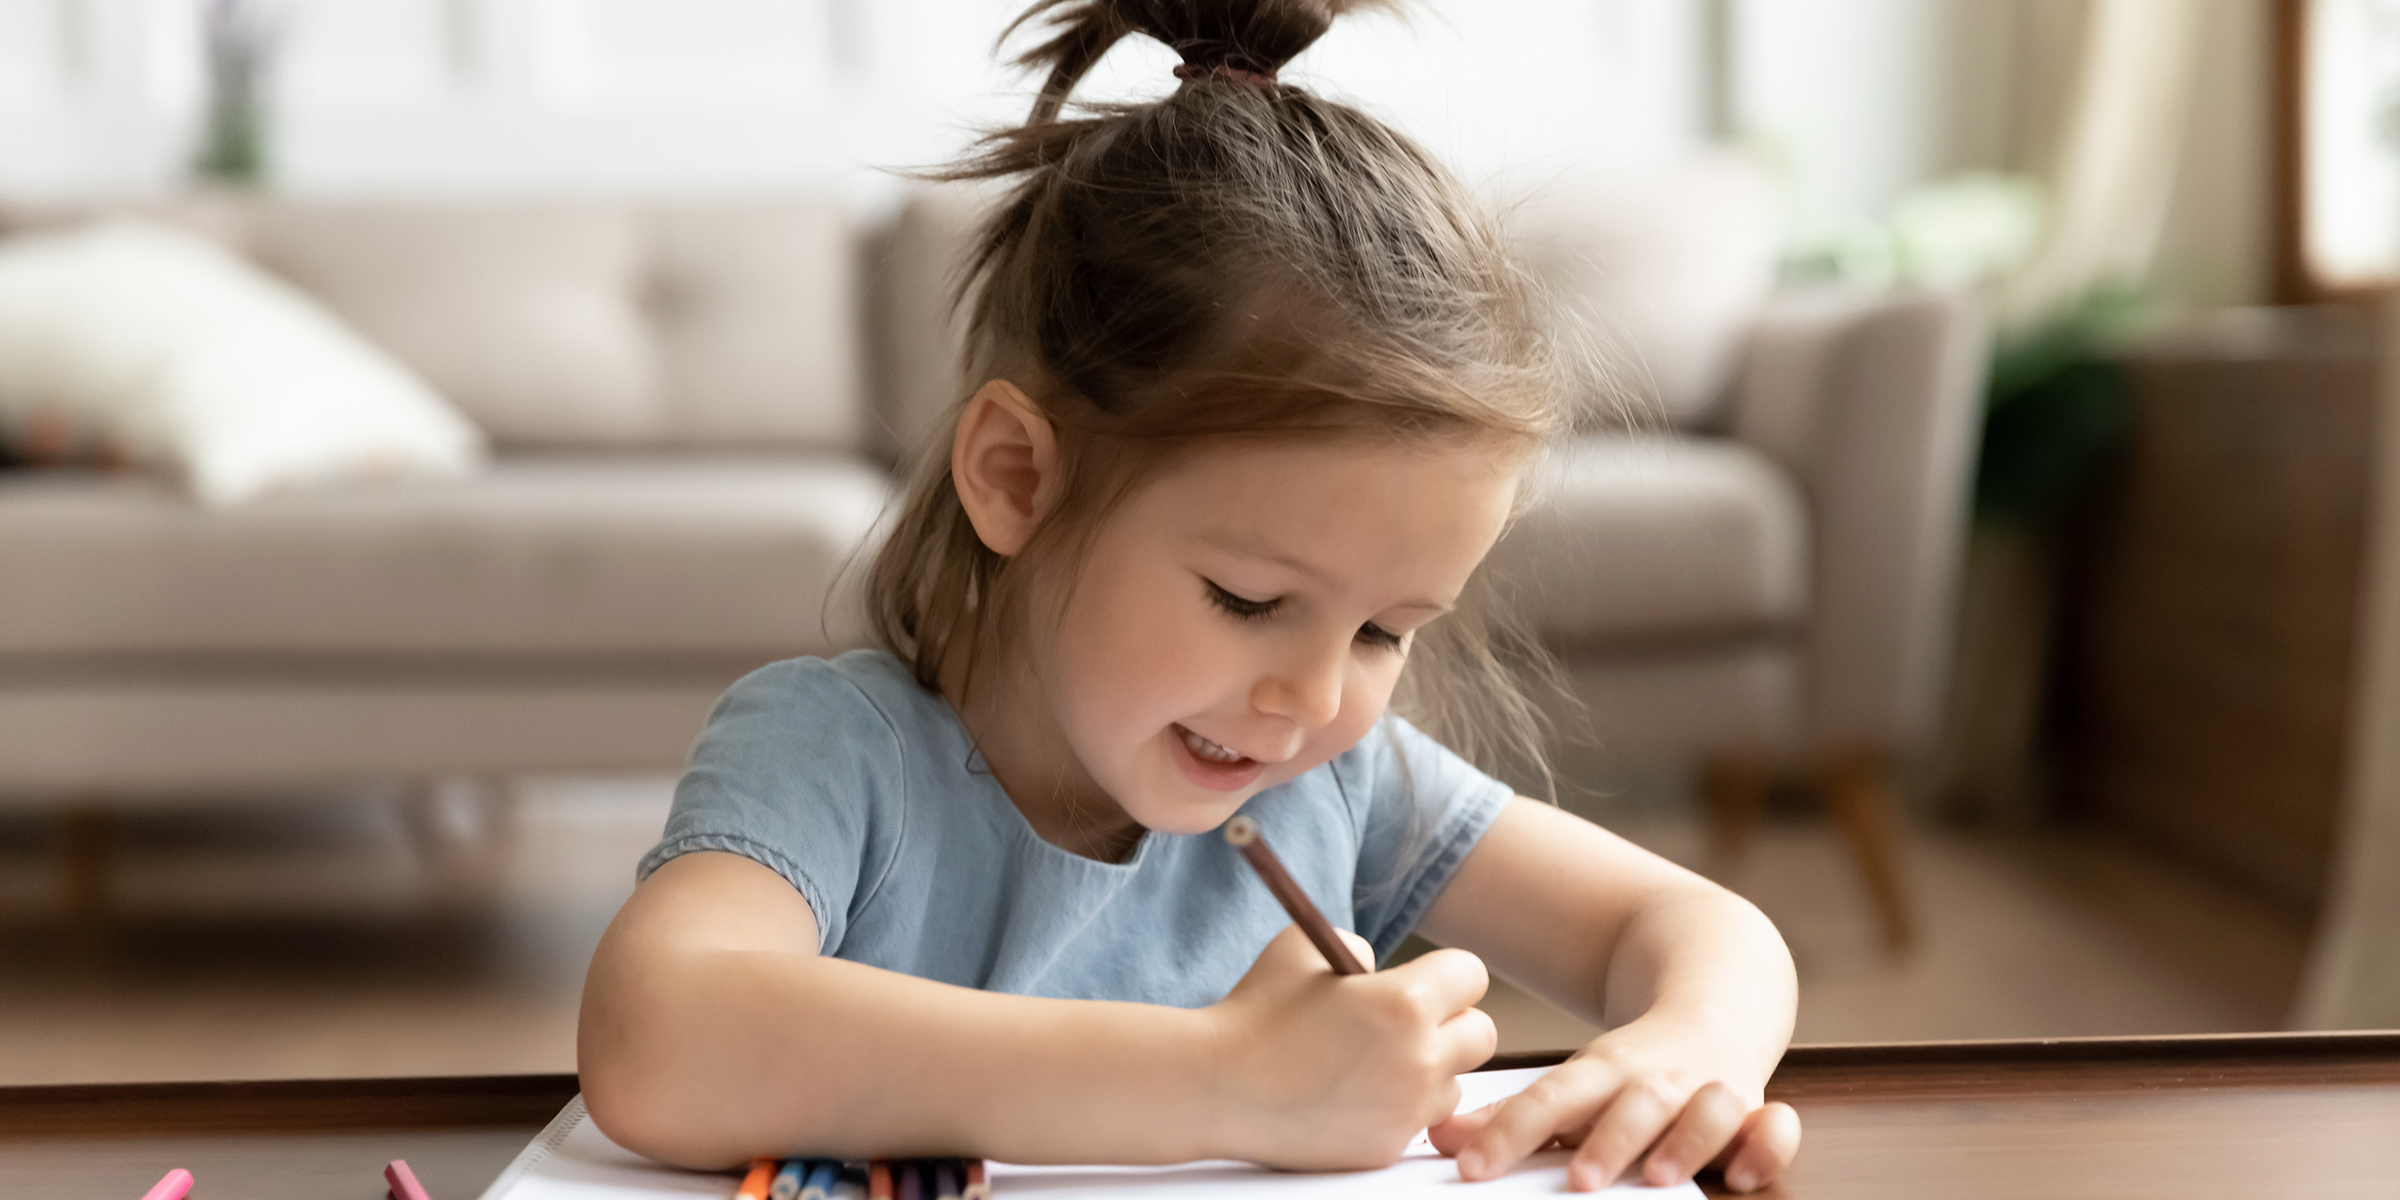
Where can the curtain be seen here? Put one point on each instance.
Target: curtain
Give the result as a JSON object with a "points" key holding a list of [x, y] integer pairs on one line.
{"points": [[2102, 92], [2353, 979]]}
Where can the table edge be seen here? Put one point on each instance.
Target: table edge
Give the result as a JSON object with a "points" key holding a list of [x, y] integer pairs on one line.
{"points": [[463, 1100]]}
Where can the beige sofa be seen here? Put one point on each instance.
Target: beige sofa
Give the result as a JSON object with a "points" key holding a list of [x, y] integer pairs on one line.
{"points": [[698, 406]]}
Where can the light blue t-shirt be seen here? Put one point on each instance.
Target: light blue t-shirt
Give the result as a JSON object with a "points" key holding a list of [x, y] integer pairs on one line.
{"points": [[862, 789]]}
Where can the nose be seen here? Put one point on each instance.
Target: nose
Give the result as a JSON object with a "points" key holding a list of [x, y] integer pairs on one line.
{"points": [[1304, 688]]}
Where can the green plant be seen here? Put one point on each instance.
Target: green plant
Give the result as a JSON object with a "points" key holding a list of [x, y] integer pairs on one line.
{"points": [[238, 41], [2055, 407]]}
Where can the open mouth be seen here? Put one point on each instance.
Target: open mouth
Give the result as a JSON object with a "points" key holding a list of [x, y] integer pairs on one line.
{"points": [[1208, 751], [1213, 766]]}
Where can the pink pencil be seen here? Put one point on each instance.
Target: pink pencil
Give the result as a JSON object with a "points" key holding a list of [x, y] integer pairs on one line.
{"points": [[171, 1187], [404, 1181]]}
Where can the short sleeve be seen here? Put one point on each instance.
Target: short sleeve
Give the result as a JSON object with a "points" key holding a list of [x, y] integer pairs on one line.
{"points": [[1421, 808], [799, 771]]}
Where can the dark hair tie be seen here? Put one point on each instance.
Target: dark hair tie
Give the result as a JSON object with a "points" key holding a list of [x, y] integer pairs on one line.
{"points": [[1262, 80]]}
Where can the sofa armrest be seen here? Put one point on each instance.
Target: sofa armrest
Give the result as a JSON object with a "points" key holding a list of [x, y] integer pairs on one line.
{"points": [[1874, 404]]}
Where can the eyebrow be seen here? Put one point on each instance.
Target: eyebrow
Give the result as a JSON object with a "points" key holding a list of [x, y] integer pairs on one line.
{"points": [[1228, 546]]}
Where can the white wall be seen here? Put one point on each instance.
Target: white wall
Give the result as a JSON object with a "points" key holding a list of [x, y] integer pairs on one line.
{"points": [[1858, 99], [677, 95]]}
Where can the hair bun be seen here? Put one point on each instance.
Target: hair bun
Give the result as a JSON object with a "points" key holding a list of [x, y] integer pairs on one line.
{"points": [[1247, 40]]}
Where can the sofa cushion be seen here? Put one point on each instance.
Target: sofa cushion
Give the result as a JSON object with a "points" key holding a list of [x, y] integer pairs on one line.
{"points": [[550, 324], [1664, 267], [528, 317], [650, 556], [1633, 539]]}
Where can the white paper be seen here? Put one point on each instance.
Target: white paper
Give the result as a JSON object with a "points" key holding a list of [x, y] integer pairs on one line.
{"points": [[573, 1160]]}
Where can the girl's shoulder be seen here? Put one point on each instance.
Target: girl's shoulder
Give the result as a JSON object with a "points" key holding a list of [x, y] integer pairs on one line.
{"points": [[845, 689]]}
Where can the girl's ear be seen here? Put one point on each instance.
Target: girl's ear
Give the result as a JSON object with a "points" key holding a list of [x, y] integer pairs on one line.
{"points": [[1004, 463]]}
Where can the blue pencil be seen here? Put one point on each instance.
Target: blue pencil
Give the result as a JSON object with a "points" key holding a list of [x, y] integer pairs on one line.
{"points": [[823, 1176], [787, 1180]]}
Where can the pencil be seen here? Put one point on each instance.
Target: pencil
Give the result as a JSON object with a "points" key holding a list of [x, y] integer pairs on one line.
{"points": [[879, 1179], [787, 1180], [945, 1178], [978, 1188], [912, 1180], [171, 1186], [1243, 833], [823, 1175], [756, 1183], [403, 1182]]}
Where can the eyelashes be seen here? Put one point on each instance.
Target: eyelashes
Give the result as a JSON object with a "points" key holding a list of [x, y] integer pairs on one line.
{"points": [[1248, 610], [1245, 609]]}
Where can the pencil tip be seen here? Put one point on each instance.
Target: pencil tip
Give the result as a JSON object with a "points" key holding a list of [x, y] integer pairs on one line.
{"points": [[1241, 831]]}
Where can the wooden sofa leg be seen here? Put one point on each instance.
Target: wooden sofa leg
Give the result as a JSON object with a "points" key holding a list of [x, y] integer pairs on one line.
{"points": [[1733, 788], [1858, 787]]}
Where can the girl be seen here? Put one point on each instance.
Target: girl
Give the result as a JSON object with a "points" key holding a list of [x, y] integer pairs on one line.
{"points": [[1259, 387]]}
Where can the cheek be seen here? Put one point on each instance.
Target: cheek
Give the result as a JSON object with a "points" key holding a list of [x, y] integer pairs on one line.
{"points": [[1138, 653], [1366, 695]]}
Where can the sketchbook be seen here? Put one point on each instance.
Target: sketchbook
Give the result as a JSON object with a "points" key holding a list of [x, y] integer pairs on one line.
{"points": [[573, 1160]]}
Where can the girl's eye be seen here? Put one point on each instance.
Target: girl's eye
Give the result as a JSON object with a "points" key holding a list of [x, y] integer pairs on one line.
{"points": [[1248, 610], [1377, 636]]}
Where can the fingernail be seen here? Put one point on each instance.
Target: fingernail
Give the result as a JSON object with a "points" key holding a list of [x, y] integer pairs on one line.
{"points": [[1741, 1180], [1470, 1163], [1663, 1172]]}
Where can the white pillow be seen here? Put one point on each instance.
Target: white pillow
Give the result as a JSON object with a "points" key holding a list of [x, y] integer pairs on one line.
{"points": [[185, 357]]}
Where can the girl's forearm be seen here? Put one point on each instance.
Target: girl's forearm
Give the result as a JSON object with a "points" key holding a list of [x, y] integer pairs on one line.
{"points": [[721, 1055], [1703, 956]]}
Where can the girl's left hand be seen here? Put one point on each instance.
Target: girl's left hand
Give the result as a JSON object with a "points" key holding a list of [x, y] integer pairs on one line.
{"points": [[1633, 1089]]}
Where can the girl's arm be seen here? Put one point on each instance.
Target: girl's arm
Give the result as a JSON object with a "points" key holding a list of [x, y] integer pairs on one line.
{"points": [[1694, 985], [713, 1032]]}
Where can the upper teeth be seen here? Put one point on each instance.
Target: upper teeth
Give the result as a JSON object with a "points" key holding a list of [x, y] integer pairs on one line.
{"points": [[1203, 748]]}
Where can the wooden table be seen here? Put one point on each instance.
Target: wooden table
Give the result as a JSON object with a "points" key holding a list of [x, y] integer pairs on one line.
{"points": [[2292, 1116]]}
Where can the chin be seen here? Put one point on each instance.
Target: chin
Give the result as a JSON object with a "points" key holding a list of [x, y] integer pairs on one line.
{"points": [[1179, 808]]}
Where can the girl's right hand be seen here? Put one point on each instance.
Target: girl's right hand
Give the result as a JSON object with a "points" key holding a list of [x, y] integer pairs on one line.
{"points": [[1318, 1071]]}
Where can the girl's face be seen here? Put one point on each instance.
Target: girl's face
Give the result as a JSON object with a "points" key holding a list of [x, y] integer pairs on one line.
{"points": [[1243, 618]]}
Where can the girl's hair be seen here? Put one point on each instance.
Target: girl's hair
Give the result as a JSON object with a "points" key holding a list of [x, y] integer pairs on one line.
{"points": [[1240, 260]]}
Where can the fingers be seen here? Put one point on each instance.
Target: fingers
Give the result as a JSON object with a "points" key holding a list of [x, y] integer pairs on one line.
{"points": [[1709, 1121], [1444, 982], [1569, 1097], [1765, 1144], [1640, 1111], [1360, 948], [1466, 1040], [1452, 1135]]}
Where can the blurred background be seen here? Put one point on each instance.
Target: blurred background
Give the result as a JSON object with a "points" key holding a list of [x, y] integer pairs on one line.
{"points": [[413, 413]]}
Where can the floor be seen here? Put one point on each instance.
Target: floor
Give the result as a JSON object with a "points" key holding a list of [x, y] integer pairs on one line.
{"points": [[311, 939]]}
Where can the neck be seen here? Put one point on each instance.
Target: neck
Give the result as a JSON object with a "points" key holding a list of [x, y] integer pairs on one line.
{"points": [[1001, 702]]}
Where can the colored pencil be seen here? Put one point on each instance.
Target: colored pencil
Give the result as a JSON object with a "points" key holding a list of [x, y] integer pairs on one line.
{"points": [[912, 1180], [879, 1180], [978, 1188], [755, 1184], [823, 1176], [787, 1179], [1243, 833], [945, 1178], [170, 1186], [403, 1181]]}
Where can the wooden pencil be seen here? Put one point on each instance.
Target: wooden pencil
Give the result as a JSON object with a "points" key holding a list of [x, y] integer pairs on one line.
{"points": [[761, 1177], [1244, 835], [879, 1179], [945, 1178], [978, 1188]]}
